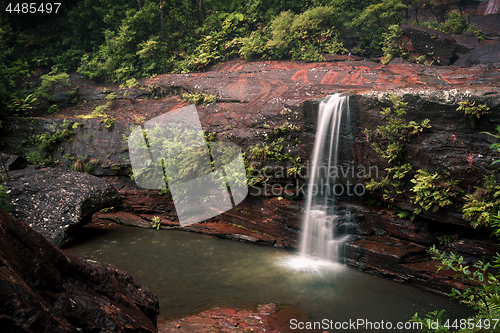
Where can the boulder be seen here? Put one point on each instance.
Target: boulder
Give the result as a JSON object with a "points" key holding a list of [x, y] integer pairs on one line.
{"points": [[488, 54], [43, 289], [12, 162], [467, 42], [56, 202], [436, 45]]}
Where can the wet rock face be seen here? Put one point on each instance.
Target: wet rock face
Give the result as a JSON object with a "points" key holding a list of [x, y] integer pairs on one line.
{"points": [[55, 202], [43, 289]]}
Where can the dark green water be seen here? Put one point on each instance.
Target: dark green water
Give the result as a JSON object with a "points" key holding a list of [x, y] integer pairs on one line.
{"points": [[192, 272]]}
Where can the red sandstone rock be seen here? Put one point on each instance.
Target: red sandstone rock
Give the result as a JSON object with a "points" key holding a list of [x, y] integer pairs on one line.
{"points": [[43, 289]]}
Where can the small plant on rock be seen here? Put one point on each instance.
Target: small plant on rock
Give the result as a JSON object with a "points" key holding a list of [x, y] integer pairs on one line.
{"points": [[50, 82], [473, 111], [78, 166], [482, 205], [432, 192], [155, 222], [392, 44], [199, 98]]}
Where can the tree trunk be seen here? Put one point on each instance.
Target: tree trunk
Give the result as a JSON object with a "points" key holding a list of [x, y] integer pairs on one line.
{"points": [[161, 22]]}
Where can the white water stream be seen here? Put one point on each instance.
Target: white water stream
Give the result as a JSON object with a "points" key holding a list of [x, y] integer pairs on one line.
{"points": [[318, 238]]}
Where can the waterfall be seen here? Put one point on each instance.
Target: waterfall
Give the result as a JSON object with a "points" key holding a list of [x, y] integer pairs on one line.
{"points": [[318, 238]]}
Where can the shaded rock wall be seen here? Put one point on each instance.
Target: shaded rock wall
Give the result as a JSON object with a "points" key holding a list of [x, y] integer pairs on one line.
{"points": [[45, 290], [451, 144]]}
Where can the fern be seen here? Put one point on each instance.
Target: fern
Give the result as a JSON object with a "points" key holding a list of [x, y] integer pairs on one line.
{"points": [[482, 206], [431, 192]]}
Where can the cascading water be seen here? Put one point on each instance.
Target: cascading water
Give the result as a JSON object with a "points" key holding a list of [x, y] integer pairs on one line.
{"points": [[318, 237]]}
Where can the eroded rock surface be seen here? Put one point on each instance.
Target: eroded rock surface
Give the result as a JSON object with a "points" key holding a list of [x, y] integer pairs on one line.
{"points": [[43, 289], [488, 54], [55, 202]]}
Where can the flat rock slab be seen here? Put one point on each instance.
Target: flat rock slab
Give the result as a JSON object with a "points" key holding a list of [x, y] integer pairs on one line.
{"points": [[43, 289], [210, 227], [271, 317], [267, 85], [56, 202]]}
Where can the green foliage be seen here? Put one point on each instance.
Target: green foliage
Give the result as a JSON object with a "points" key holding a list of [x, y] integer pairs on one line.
{"points": [[286, 127], [194, 162], [45, 143], [483, 205], [395, 131], [114, 61], [258, 156], [156, 222], [50, 82], [429, 321], [99, 112], [484, 293], [52, 109], [432, 192], [19, 104], [199, 98], [473, 111], [392, 44], [444, 239], [90, 166], [376, 19], [389, 145], [81, 166], [211, 137], [108, 122], [297, 36], [14, 101], [456, 22], [392, 184]]}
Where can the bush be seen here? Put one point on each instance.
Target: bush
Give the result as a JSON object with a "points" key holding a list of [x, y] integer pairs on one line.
{"points": [[376, 19], [473, 111], [455, 22], [482, 205], [297, 36], [432, 192], [114, 61], [50, 82], [392, 45], [483, 295]]}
